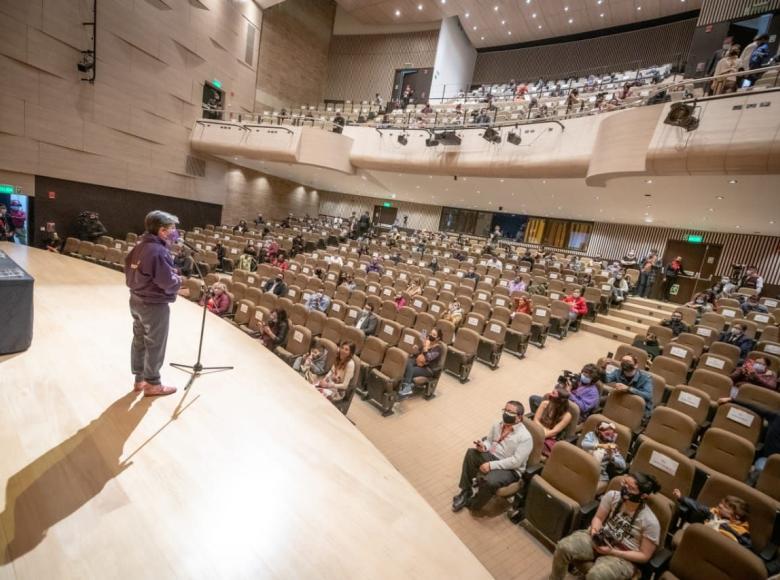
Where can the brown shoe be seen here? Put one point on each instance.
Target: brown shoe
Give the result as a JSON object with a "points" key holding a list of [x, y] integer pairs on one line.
{"points": [[139, 386], [158, 390]]}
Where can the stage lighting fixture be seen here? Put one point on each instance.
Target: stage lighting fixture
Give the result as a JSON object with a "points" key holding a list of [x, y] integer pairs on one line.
{"points": [[491, 135], [447, 138], [431, 142], [681, 115], [403, 139], [514, 138], [87, 62]]}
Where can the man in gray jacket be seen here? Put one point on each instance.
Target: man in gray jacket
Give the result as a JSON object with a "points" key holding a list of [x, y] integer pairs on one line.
{"points": [[496, 460], [154, 284]]}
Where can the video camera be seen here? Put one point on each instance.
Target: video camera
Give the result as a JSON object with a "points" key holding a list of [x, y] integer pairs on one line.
{"points": [[569, 379]]}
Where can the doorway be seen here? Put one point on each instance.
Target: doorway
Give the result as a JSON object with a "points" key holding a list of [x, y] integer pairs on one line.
{"points": [[418, 79], [700, 261], [384, 215]]}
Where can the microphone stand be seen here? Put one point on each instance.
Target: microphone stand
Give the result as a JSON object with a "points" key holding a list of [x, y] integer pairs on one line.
{"points": [[197, 369]]}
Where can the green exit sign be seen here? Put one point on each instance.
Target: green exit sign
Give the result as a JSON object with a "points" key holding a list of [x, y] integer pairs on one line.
{"points": [[217, 84], [387, 204], [5, 188], [695, 239]]}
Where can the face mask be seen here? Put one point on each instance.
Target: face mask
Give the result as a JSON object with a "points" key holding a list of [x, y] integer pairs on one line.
{"points": [[627, 368], [509, 419], [676, 319], [585, 379], [628, 496], [759, 368], [700, 301], [173, 236]]}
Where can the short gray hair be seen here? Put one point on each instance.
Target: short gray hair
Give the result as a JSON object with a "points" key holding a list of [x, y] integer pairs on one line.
{"points": [[158, 219]]}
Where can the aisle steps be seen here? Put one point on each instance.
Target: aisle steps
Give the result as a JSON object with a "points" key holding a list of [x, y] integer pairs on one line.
{"points": [[636, 315]]}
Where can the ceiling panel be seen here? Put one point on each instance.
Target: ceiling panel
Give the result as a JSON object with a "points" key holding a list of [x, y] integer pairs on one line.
{"points": [[501, 22]]}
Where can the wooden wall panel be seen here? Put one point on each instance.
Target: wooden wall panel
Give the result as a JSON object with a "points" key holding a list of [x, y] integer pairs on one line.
{"points": [[714, 11]]}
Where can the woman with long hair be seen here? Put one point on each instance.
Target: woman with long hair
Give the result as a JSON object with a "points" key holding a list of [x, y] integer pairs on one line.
{"points": [[335, 384], [554, 416], [274, 332]]}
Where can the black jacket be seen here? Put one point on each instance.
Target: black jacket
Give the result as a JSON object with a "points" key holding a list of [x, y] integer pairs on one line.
{"points": [[280, 290]]}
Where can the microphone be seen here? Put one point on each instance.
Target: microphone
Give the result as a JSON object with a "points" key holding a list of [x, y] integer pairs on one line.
{"points": [[190, 246]]}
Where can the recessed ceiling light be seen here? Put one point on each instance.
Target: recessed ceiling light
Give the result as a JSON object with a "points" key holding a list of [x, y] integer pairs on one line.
{"points": [[509, 33], [533, 15], [398, 13], [601, 15], [719, 197], [599, 2], [648, 220], [443, 1], [482, 38], [571, 20], [475, 28], [539, 27], [639, 8], [712, 209], [648, 181], [565, 8], [501, 180], [495, 8], [467, 15], [417, 186], [732, 181], [419, 7], [771, 223], [737, 227], [527, 1], [503, 22]]}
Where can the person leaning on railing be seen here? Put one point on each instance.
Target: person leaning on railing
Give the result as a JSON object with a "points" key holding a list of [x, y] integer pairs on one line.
{"points": [[727, 65]]}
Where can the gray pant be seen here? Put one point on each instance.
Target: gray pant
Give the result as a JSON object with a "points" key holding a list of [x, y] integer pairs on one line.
{"points": [[150, 336]]}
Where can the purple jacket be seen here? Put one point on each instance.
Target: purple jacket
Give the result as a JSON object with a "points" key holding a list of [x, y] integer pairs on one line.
{"points": [[149, 271], [586, 397]]}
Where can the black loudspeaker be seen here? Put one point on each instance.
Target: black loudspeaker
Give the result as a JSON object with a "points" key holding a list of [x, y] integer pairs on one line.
{"points": [[681, 115]]}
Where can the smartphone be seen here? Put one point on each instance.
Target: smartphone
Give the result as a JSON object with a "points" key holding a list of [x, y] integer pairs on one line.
{"points": [[610, 354]]}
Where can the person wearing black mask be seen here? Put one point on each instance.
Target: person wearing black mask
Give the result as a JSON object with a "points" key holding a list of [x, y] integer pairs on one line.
{"points": [[649, 345], [624, 532], [628, 378], [676, 324], [736, 336], [495, 461]]}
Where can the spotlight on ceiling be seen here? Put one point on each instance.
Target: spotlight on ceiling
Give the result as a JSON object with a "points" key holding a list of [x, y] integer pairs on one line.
{"points": [[403, 139], [431, 142], [514, 138], [491, 135], [681, 115]]}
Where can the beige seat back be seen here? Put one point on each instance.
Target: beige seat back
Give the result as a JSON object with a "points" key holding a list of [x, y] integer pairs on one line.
{"points": [[625, 408], [693, 402], [673, 370], [671, 428], [726, 453]]}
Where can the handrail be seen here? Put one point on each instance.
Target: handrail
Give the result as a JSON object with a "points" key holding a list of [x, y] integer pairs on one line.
{"points": [[693, 81]]}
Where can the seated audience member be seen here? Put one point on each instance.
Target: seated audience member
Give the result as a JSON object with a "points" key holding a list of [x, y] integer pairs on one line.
{"points": [[334, 385], [259, 221], [579, 307], [423, 364], [676, 324], [517, 285], [602, 444], [494, 262], [521, 305], [280, 261], [723, 289], [702, 303], [298, 245], [400, 301], [318, 301], [554, 416], [649, 344], [219, 249], [184, 262], [629, 260], [250, 248], [414, 288], [367, 321], [335, 259], [628, 378], [219, 301], [755, 371], [584, 391], [246, 262], [624, 532], [752, 304], [347, 280], [274, 331], [241, 227], [729, 517], [454, 313], [736, 336], [619, 291], [472, 274], [752, 279], [275, 285], [312, 365], [375, 266], [271, 249], [495, 461]]}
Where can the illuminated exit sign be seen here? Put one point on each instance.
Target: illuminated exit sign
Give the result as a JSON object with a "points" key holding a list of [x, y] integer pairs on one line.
{"points": [[387, 204], [5, 188], [695, 239]]}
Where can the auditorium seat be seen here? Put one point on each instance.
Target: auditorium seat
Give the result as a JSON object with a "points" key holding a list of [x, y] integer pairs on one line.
{"points": [[383, 383], [298, 344], [625, 408], [706, 554], [716, 363], [673, 370], [518, 334], [462, 353], [371, 358], [692, 402], [563, 492], [671, 428], [491, 343], [431, 383], [724, 452], [639, 354], [759, 395], [769, 480]]}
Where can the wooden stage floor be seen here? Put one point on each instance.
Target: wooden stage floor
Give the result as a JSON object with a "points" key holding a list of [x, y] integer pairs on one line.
{"points": [[251, 474]]}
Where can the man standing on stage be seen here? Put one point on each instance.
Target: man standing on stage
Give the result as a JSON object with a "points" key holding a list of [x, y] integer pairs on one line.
{"points": [[153, 283]]}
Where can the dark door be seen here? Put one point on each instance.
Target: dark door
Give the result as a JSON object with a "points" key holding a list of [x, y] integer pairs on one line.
{"points": [[384, 215], [699, 260], [419, 79]]}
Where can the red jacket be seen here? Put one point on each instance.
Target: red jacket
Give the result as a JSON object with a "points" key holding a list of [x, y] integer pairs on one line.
{"points": [[577, 304], [218, 303]]}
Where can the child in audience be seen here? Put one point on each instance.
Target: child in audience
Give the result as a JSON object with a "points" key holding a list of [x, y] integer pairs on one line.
{"points": [[729, 517], [602, 444], [311, 366]]}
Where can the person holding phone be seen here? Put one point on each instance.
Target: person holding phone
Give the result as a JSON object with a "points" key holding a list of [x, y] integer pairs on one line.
{"points": [[495, 461]]}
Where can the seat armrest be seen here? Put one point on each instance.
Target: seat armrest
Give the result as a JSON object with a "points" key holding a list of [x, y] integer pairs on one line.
{"points": [[656, 565], [532, 471], [587, 512], [769, 552]]}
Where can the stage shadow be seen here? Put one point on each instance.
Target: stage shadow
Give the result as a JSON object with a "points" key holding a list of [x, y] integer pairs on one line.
{"points": [[65, 478]]}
